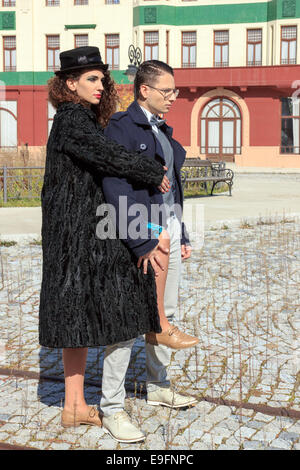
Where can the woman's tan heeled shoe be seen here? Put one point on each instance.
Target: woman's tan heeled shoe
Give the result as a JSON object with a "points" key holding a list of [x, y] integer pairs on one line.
{"points": [[73, 419], [173, 338]]}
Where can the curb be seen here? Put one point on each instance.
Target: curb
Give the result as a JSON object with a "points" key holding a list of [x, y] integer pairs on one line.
{"points": [[21, 237], [235, 223]]}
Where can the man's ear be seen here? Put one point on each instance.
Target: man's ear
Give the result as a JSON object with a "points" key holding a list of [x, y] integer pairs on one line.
{"points": [[144, 91]]}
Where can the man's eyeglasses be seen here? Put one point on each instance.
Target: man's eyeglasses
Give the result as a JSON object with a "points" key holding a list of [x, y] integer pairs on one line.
{"points": [[167, 93]]}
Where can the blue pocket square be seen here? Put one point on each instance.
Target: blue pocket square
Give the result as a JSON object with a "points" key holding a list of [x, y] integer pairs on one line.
{"points": [[155, 229]]}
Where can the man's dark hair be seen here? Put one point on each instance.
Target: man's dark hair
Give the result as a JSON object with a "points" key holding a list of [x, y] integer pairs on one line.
{"points": [[148, 72]]}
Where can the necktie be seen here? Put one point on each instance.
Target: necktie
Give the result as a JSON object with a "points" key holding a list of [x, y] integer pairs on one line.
{"points": [[155, 121]]}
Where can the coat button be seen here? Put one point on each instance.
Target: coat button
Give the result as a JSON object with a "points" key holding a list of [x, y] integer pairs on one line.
{"points": [[143, 147]]}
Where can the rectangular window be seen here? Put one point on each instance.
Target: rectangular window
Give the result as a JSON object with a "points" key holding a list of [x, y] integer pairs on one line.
{"points": [[52, 3], [8, 3], [288, 45], [254, 47], [221, 49], [9, 54], [290, 125], [151, 45], [81, 2], [112, 2], [81, 40], [53, 49], [112, 51], [189, 41]]}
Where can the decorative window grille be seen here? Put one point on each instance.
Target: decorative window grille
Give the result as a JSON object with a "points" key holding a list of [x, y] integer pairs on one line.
{"points": [[81, 40]]}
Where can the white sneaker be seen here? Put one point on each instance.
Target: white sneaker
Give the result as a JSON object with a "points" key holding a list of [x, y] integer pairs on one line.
{"points": [[121, 428], [167, 397]]}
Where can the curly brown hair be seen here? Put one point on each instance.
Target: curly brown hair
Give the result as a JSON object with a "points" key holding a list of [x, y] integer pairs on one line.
{"points": [[58, 92]]}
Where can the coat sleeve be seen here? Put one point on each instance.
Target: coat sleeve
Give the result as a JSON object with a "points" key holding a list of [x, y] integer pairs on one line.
{"points": [[117, 191], [185, 240], [131, 219], [80, 140]]}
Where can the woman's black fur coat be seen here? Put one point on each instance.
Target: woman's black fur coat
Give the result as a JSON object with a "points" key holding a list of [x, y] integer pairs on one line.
{"points": [[92, 292]]}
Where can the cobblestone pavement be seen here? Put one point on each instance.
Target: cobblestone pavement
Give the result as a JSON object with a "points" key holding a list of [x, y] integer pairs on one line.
{"points": [[240, 294]]}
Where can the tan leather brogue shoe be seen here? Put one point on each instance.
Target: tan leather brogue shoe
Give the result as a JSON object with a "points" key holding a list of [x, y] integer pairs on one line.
{"points": [[173, 338], [69, 418]]}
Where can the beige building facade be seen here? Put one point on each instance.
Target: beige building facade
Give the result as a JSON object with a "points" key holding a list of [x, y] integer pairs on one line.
{"points": [[171, 36], [242, 56], [38, 20], [159, 28]]}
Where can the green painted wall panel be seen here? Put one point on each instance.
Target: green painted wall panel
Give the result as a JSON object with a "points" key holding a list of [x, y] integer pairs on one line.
{"points": [[287, 8], [216, 14], [7, 20], [272, 10], [25, 78], [41, 78], [119, 77], [283, 9], [248, 13], [80, 26]]}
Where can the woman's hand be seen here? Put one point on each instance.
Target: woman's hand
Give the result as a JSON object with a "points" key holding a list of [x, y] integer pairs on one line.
{"points": [[165, 184], [153, 256]]}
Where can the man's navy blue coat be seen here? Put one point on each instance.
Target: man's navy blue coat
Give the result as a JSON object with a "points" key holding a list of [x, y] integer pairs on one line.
{"points": [[132, 130]]}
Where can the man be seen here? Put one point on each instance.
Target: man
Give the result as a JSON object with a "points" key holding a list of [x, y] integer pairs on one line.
{"points": [[139, 128]]}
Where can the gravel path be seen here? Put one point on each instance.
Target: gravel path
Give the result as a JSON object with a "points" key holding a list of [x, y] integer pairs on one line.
{"points": [[240, 294]]}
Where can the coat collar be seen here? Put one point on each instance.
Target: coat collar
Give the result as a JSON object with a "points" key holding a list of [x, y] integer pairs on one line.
{"points": [[70, 106], [137, 115]]}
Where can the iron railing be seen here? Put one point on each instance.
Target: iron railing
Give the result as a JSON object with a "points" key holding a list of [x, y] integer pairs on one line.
{"points": [[289, 149], [220, 150], [21, 182]]}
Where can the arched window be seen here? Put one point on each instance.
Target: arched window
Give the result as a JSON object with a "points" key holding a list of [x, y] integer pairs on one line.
{"points": [[51, 114], [221, 129], [8, 124], [290, 125]]}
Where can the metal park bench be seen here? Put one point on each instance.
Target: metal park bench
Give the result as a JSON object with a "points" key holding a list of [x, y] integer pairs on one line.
{"points": [[195, 170]]}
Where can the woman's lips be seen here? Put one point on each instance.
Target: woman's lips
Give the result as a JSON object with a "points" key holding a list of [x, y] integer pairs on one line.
{"points": [[98, 96]]}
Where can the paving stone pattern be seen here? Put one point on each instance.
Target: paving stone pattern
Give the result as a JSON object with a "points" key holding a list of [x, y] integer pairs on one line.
{"points": [[240, 294]]}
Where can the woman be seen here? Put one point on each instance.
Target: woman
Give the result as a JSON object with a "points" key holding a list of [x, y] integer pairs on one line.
{"points": [[92, 291]]}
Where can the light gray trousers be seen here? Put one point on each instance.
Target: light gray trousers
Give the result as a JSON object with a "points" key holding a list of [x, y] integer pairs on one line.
{"points": [[117, 356]]}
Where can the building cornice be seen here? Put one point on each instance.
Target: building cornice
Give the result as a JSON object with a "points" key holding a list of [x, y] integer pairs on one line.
{"points": [[282, 76]]}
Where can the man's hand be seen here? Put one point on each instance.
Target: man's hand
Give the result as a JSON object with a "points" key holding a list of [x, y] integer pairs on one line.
{"points": [[165, 184], [154, 256], [186, 251]]}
